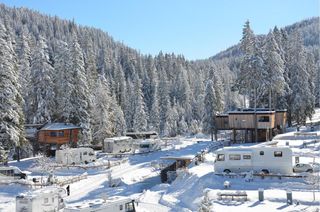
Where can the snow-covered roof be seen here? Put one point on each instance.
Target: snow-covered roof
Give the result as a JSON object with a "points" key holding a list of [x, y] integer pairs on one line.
{"points": [[59, 126]]}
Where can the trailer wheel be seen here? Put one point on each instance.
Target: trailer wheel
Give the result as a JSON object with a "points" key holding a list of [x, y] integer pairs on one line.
{"points": [[86, 162], [265, 171], [227, 171]]}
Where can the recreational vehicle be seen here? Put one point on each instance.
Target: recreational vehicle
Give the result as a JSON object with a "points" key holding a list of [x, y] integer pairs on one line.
{"points": [[149, 145], [118, 144], [114, 204], [257, 159], [11, 173], [75, 156], [45, 199]]}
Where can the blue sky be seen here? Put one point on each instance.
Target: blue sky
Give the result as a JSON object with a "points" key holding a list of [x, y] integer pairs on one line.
{"points": [[195, 28]]}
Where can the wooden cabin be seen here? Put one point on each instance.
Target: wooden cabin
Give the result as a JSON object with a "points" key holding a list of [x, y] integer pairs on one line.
{"points": [[58, 133], [249, 120]]}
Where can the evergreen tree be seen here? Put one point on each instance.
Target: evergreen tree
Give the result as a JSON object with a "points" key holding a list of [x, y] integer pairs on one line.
{"points": [[299, 102], [164, 104], [274, 67], [139, 116], [42, 94], [11, 115], [101, 112], [24, 57], [209, 109], [63, 81], [79, 96]]}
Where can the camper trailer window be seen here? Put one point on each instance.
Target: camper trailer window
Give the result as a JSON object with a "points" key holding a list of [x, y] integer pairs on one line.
{"points": [[234, 157], [246, 157], [91, 153], [220, 157], [129, 206], [261, 152], [264, 119], [85, 153], [121, 207], [278, 153], [45, 200]]}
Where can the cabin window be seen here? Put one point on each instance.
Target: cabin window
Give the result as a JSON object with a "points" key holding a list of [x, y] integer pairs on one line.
{"points": [[261, 152], [46, 200], [278, 153], [53, 134], [61, 134], [264, 119], [220, 157], [234, 157], [121, 207], [246, 157]]}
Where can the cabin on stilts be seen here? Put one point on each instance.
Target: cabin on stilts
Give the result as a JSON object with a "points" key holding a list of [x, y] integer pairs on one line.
{"points": [[252, 124]]}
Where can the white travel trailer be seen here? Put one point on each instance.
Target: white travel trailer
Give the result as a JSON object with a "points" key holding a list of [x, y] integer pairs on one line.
{"points": [[258, 159], [148, 145], [11, 173], [45, 199], [118, 144], [75, 156], [114, 204]]}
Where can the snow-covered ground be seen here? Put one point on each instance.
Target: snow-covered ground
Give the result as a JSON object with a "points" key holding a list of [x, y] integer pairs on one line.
{"points": [[139, 176]]}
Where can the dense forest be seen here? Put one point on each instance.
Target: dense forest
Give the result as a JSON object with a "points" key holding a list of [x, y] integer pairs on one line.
{"points": [[53, 70]]}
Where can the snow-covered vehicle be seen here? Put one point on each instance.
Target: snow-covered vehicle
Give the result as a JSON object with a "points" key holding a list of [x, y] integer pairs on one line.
{"points": [[114, 204], [45, 199], [11, 173], [257, 159], [118, 144], [302, 167], [75, 156], [148, 145]]}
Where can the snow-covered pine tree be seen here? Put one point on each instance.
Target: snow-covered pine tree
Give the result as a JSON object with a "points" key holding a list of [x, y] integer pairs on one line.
{"points": [[11, 115], [274, 67], [63, 82], [299, 100], [79, 97], [118, 120], [101, 118], [209, 109], [42, 91], [139, 116], [171, 125], [164, 103], [245, 78], [24, 57]]}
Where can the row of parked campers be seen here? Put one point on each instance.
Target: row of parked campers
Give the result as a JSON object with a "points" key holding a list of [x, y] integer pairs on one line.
{"points": [[126, 144], [51, 199], [258, 159]]}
